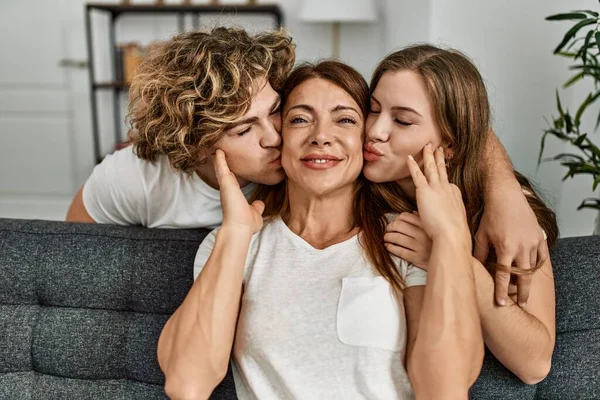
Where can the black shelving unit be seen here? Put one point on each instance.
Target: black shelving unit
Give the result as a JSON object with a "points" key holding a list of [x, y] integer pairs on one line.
{"points": [[114, 11]]}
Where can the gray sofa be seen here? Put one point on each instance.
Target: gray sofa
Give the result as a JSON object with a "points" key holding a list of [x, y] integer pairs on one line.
{"points": [[82, 306]]}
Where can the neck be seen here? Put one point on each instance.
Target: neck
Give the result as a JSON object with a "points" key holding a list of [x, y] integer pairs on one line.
{"points": [[408, 187], [324, 220]]}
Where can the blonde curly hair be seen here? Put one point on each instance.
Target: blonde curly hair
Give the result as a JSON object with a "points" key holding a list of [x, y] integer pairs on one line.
{"points": [[190, 88]]}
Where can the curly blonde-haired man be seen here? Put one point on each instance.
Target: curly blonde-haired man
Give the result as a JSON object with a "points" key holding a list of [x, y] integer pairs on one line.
{"points": [[193, 93]]}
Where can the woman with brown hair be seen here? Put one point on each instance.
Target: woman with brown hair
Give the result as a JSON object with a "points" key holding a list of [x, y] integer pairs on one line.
{"points": [[423, 94], [309, 303]]}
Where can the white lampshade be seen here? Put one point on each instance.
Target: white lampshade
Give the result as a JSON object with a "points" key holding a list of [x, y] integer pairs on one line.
{"points": [[338, 11]]}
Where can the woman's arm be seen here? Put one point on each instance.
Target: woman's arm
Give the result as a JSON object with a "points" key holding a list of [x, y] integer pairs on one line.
{"points": [[445, 351], [520, 338], [195, 345]]}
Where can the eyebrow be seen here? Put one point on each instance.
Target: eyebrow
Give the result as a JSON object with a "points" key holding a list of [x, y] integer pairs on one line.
{"points": [[252, 120], [399, 108], [312, 109]]}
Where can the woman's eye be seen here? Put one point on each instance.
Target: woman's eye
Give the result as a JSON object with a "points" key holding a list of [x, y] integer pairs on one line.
{"points": [[297, 120], [347, 120], [403, 123], [242, 133], [374, 111]]}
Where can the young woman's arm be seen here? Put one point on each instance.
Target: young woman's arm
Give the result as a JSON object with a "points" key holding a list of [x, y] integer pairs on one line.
{"points": [[445, 345], [195, 345], [521, 337]]}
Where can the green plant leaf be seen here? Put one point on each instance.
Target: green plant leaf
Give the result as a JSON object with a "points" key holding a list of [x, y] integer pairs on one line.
{"points": [[596, 182], [597, 37], [566, 54], [588, 100], [590, 203], [567, 156], [574, 79], [580, 140], [568, 123], [573, 31], [567, 16], [594, 13], [583, 50], [560, 109]]}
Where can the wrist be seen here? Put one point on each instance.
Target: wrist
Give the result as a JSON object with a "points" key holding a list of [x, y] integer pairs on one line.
{"points": [[233, 230]]}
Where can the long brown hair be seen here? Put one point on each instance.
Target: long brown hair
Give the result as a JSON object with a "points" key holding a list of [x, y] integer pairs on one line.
{"points": [[368, 214], [462, 112]]}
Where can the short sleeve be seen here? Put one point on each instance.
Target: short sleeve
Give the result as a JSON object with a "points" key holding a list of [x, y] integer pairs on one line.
{"points": [[206, 247], [114, 193], [413, 275]]}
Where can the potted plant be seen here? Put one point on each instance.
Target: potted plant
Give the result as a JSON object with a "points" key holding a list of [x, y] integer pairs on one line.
{"points": [[581, 43]]}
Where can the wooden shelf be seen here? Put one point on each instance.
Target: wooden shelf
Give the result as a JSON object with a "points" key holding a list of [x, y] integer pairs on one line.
{"points": [[117, 9], [111, 85]]}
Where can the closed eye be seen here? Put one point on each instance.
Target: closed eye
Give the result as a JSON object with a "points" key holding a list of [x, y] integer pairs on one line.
{"points": [[403, 123], [242, 133]]}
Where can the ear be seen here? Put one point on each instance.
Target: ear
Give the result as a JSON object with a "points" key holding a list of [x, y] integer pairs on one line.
{"points": [[203, 156], [448, 150]]}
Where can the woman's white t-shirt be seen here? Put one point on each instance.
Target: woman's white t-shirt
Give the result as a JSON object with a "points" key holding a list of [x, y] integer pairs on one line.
{"points": [[127, 190], [316, 324]]}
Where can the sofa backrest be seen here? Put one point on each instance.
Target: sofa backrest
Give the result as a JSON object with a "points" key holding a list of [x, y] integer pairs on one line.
{"points": [[82, 307]]}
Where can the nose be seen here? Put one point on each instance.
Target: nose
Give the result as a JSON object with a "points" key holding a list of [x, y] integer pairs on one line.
{"points": [[321, 135], [378, 130], [272, 133]]}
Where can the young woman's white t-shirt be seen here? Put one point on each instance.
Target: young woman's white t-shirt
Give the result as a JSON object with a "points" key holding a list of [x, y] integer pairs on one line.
{"points": [[127, 190], [316, 324]]}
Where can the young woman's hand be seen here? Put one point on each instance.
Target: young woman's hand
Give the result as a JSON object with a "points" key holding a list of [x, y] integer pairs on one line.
{"points": [[440, 203], [237, 212], [510, 225], [406, 238]]}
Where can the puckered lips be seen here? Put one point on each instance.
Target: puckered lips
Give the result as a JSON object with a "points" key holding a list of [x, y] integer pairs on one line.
{"points": [[276, 161], [320, 161], [370, 153]]}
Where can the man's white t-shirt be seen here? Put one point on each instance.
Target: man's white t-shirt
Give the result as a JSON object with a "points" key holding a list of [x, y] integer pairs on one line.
{"points": [[127, 190], [316, 324]]}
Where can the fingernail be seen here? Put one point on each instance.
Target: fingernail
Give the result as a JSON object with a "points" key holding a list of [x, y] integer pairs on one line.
{"points": [[411, 157], [523, 304], [428, 145], [502, 302], [440, 149]]}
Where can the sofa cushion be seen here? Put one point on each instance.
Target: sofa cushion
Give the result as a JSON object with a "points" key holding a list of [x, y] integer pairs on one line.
{"points": [[82, 307]]}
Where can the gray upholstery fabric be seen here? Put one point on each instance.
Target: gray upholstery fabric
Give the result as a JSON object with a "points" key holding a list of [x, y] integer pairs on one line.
{"points": [[82, 306]]}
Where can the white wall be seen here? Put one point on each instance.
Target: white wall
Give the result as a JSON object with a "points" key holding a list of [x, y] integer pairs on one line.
{"points": [[509, 41], [512, 44]]}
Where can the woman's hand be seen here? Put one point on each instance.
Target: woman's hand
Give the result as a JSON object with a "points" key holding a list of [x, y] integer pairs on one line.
{"points": [[406, 238], [440, 203], [237, 212]]}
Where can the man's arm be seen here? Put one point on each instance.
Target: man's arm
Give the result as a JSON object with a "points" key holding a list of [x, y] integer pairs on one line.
{"points": [[508, 223], [77, 211]]}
